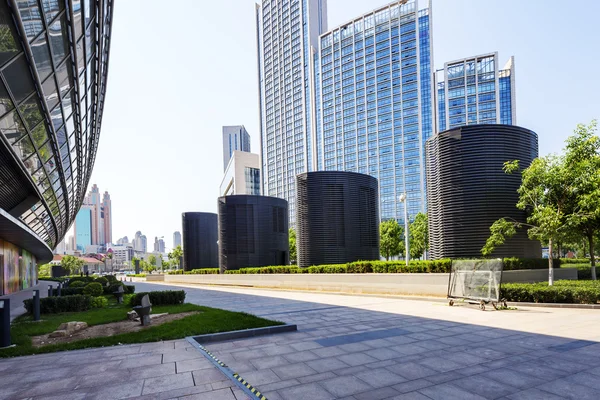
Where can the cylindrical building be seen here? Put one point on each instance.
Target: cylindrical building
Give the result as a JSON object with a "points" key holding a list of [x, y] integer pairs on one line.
{"points": [[200, 237], [467, 189], [337, 217], [253, 232]]}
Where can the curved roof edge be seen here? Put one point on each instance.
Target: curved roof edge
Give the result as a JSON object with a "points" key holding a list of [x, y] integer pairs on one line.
{"points": [[20, 235]]}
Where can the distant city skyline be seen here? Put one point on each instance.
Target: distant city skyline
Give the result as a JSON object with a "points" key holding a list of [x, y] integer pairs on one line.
{"points": [[191, 148]]}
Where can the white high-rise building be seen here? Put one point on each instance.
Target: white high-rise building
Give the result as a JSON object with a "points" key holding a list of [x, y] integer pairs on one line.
{"points": [[176, 239], [234, 138]]}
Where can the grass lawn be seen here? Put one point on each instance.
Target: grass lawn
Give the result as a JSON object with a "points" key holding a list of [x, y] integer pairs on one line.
{"points": [[210, 320]]}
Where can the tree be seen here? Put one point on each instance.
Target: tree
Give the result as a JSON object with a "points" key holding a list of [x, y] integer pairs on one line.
{"points": [[391, 239], [174, 256], [71, 264], [545, 193], [45, 270], [582, 162], [293, 252], [152, 259], [418, 236]]}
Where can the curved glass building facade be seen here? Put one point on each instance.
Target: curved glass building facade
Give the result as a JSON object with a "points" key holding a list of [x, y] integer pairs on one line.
{"points": [[53, 70]]}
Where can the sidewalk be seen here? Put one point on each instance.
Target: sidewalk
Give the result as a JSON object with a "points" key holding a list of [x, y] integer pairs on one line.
{"points": [[16, 299]]}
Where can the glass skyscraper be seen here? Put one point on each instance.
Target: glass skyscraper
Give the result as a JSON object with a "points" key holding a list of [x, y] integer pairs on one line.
{"points": [[374, 108], [287, 36], [473, 91]]}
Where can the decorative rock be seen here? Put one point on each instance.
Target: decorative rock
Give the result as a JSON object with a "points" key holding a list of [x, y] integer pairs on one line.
{"points": [[59, 333], [132, 315], [72, 326]]}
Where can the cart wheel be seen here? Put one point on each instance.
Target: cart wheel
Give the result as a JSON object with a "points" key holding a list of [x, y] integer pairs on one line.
{"points": [[451, 303], [494, 305], [482, 306]]}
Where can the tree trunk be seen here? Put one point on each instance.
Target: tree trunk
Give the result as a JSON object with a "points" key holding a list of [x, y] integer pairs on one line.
{"points": [[592, 258], [550, 264]]}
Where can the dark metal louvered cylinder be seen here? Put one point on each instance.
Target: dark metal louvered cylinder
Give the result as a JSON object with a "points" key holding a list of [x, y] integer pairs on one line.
{"points": [[467, 189], [200, 249], [337, 218], [253, 232]]}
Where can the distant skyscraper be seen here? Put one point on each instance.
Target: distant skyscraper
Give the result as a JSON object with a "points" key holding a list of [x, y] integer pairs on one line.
{"points": [[159, 245], [473, 91], [176, 239], [140, 242], [107, 206], [234, 138], [287, 36], [83, 228], [375, 102]]}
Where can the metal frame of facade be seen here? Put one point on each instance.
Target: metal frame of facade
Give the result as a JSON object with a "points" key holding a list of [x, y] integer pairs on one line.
{"points": [[337, 219], [468, 190]]}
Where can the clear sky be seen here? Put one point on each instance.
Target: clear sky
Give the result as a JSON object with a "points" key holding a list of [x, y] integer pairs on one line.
{"points": [[178, 73]]}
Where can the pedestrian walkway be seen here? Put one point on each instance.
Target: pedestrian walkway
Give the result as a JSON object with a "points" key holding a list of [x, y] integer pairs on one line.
{"points": [[346, 347], [16, 299]]}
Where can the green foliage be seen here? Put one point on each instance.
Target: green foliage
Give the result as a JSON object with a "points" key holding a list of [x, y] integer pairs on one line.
{"points": [[101, 280], [99, 302], [71, 264], [584, 271], [67, 291], [391, 239], [500, 230], [174, 256], [137, 275], [152, 259], [160, 298], [111, 279], [45, 270], [513, 263], [418, 236], [49, 278], [293, 251], [93, 289], [84, 279], [52, 305], [276, 269], [564, 261], [202, 271], [572, 292], [77, 284]]}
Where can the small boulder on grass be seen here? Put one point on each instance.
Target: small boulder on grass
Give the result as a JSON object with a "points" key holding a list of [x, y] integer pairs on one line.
{"points": [[68, 328]]}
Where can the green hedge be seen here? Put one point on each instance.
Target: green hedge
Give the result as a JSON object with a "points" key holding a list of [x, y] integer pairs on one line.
{"points": [[113, 287], [584, 271], [53, 305], [51, 279], [574, 261], [137, 275], [576, 292], [357, 267], [99, 302], [67, 291], [93, 289], [167, 297], [200, 271]]}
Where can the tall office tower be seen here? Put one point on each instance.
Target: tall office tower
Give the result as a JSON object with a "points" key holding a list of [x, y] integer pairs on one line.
{"points": [[140, 243], [53, 73], [234, 138], [474, 91], [176, 239], [107, 206], [155, 243], [93, 200], [161, 245], [83, 228], [287, 36], [242, 175], [143, 244], [375, 102]]}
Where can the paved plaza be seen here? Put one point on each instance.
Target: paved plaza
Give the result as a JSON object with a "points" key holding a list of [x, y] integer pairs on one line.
{"points": [[346, 347]]}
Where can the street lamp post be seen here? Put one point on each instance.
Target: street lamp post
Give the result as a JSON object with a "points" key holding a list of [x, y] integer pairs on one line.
{"points": [[403, 199]]}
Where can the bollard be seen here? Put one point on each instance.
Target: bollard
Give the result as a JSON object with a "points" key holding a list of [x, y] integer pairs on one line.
{"points": [[49, 290], [4, 323], [58, 289], [36, 305]]}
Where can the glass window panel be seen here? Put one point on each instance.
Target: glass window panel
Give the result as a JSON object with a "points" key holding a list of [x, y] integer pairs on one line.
{"points": [[56, 117], [70, 126], [31, 112], [77, 19], [80, 57], [50, 94], [41, 56], [52, 8], [9, 38], [58, 39], [31, 17], [12, 127], [90, 37], [89, 9], [39, 135], [63, 76], [20, 82], [64, 151], [45, 152], [23, 148], [61, 135], [6, 103]]}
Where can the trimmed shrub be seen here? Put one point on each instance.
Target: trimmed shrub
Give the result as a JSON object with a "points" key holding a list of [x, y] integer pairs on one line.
{"points": [[111, 279], [574, 261], [129, 289], [102, 280], [93, 289], [51, 279], [113, 287], [175, 272], [99, 302], [77, 284], [84, 279], [202, 271], [138, 275], [576, 292], [53, 305], [513, 263], [162, 298], [68, 291]]}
